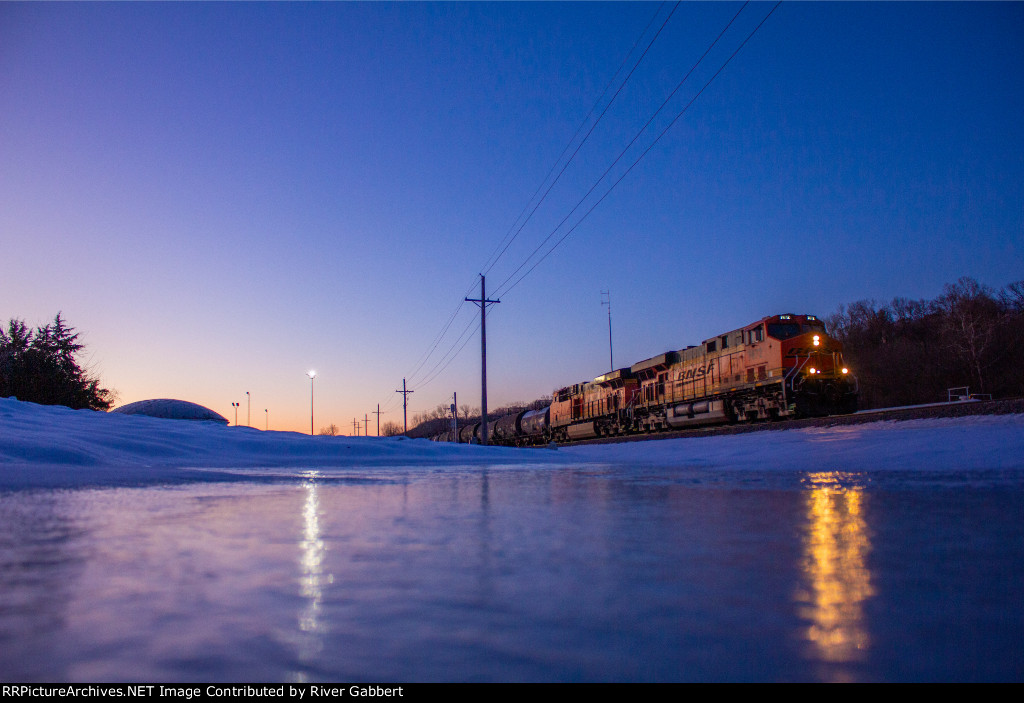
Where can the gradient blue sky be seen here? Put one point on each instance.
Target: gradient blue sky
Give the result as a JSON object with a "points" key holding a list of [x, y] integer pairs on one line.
{"points": [[222, 196]]}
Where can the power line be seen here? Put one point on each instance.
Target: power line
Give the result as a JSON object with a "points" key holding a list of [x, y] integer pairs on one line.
{"points": [[647, 150], [489, 266], [450, 356], [440, 336], [501, 288], [437, 340]]}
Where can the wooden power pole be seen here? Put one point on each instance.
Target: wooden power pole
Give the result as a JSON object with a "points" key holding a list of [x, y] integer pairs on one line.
{"points": [[405, 408], [483, 302]]}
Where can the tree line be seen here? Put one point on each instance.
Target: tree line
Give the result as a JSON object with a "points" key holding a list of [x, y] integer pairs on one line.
{"points": [[40, 366], [912, 351]]}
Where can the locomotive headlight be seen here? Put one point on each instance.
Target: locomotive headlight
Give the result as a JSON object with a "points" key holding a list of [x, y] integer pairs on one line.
{"points": [[817, 340], [812, 371], [846, 370]]}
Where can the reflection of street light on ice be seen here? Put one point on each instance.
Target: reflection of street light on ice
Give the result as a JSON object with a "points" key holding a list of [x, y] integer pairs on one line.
{"points": [[312, 375], [313, 580]]}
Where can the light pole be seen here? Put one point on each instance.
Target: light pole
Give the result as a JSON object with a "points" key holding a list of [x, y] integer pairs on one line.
{"points": [[312, 375], [611, 358], [235, 406], [248, 410], [267, 426]]}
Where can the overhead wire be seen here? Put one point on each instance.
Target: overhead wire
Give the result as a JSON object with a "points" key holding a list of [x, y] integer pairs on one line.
{"points": [[491, 264], [440, 335], [435, 373], [648, 149], [501, 289]]}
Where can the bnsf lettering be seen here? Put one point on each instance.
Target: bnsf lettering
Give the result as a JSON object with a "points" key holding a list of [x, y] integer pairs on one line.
{"points": [[696, 372]]}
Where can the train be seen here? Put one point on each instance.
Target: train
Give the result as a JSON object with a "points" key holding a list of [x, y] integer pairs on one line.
{"points": [[780, 367]]}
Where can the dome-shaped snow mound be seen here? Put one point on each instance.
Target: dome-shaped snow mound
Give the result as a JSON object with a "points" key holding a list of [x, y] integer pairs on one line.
{"points": [[171, 409]]}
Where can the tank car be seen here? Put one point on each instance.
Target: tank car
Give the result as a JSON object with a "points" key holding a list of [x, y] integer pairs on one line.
{"points": [[468, 432], [534, 426]]}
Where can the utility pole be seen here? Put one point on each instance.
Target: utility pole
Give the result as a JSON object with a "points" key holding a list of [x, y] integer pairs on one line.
{"points": [[483, 302], [611, 359], [366, 425], [455, 416], [405, 408], [355, 428], [377, 413]]}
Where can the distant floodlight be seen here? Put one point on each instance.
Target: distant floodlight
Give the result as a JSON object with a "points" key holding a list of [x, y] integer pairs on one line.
{"points": [[312, 375]]}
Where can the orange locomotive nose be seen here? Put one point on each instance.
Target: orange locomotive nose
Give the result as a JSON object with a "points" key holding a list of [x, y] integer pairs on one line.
{"points": [[817, 351]]}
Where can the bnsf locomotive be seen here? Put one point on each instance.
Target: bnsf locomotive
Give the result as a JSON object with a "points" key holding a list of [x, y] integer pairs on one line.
{"points": [[781, 366]]}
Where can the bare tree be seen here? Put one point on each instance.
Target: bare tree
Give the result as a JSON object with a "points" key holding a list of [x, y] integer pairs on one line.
{"points": [[1012, 297], [391, 429], [972, 317]]}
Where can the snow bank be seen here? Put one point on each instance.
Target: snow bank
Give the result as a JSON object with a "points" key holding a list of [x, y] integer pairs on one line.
{"points": [[977, 442], [53, 445], [48, 446]]}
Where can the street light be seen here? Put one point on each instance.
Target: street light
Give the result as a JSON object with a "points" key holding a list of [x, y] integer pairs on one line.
{"points": [[267, 427], [235, 406], [248, 410], [312, 375]]}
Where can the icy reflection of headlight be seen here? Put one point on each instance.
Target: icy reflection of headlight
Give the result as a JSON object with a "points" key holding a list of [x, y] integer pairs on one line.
{"points": [[836, 546]]}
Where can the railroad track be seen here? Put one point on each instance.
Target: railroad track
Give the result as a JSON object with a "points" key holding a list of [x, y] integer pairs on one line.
{"points": [[914, 412]]}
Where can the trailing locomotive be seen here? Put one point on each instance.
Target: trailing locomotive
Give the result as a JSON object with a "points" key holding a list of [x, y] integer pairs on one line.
{"points": [[781, 366]]}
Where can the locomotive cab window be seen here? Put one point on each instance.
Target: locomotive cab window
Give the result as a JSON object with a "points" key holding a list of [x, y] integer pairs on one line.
{"points": [[712, 346], [785, 330]]}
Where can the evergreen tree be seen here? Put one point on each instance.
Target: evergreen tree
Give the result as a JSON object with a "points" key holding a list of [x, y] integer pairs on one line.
{"points": [[40, 367]]}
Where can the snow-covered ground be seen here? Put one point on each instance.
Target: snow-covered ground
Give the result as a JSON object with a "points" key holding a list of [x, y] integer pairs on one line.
{"points": [[44, 446]]}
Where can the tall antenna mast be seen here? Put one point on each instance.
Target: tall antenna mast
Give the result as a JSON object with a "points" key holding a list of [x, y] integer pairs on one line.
{"points": [[611, 358]]}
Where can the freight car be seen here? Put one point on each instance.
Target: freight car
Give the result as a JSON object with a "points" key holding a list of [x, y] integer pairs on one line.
{"points": [[781, 366]]}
